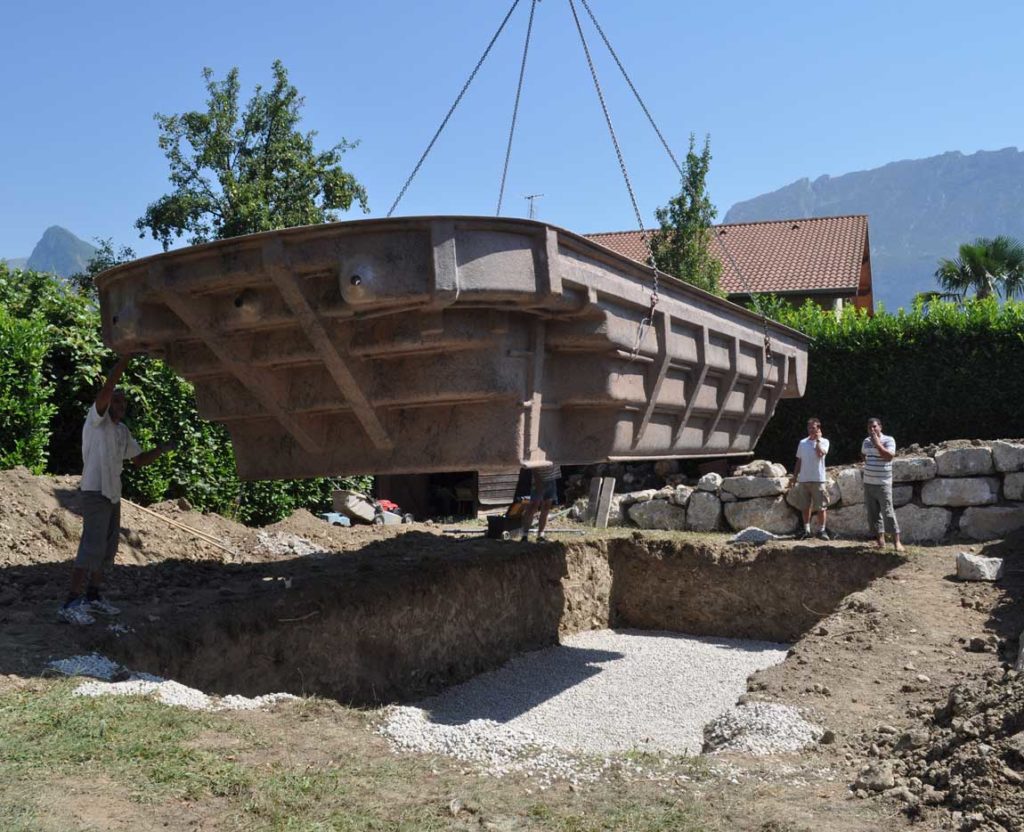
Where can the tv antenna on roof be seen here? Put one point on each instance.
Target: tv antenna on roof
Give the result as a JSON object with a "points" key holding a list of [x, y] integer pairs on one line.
{"points": [[530, 198]]}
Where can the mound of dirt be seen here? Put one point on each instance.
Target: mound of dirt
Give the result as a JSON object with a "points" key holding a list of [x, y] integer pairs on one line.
{"points": [[969, 759], [40, 523]]}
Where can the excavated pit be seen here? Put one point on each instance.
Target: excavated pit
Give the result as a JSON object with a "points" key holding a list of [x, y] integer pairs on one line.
{"points": [[406, 618]]}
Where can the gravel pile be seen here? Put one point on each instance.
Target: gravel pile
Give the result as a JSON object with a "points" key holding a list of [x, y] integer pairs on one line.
{"points": [[752, 534], [600, 693], [760, 728], [130, 683], [285, 544]]}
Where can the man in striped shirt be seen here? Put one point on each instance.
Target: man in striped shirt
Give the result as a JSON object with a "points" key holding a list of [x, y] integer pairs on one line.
{"points": [[878, 451]]}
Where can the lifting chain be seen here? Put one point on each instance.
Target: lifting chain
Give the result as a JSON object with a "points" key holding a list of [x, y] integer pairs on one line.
{"points": [[645, 322]]}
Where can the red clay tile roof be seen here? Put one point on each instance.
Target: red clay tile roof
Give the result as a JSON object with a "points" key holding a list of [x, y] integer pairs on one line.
{"points": [[784, 256]]}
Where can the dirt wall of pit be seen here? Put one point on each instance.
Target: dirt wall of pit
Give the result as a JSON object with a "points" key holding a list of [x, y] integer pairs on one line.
{"points": [[380, 627]]}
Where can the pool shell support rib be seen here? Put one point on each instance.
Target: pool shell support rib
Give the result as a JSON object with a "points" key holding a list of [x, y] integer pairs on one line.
{"points": [[379, 626], [448, 343]]}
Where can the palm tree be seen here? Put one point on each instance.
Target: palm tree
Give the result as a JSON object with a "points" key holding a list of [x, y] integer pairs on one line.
{"points": [[989, 267]]}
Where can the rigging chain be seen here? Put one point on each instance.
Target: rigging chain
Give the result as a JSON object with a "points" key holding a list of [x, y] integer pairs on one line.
{"points": [[515, 107], [679, 170], [646, 322], [451, 110]]}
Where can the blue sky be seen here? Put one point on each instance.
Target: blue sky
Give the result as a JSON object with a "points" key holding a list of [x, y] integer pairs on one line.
{"points": [[785, 89]]}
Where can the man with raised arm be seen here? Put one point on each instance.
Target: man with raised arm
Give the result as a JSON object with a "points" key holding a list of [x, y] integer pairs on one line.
{"points": [[811, 487], [106, 444], [879, 451]]}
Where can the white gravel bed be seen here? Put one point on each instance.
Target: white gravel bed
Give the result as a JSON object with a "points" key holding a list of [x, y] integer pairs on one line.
{"points": [[598, 693], [169, 692]]}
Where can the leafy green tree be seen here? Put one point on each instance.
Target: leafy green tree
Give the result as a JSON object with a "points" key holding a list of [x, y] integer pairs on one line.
{"points": [[681, 245], [106, 257], [238, 172], [989, 267]]}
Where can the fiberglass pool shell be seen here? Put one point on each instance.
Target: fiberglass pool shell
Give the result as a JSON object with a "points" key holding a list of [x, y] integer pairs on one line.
{"points": [[448, 343]]}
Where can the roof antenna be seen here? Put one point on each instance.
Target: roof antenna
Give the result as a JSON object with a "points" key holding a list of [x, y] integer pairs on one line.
{"points": [[530, 198]]}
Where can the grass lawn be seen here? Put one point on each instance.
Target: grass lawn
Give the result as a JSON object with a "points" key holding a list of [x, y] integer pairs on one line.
{"points": [[131, 763]]}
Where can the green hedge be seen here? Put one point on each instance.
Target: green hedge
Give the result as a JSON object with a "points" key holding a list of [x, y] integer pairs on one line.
{"points": [[936, 372], [52, 364]]}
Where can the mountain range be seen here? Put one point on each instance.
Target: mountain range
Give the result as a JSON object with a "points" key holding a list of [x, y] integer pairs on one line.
{"points": [[58, 251], [918, 211]]}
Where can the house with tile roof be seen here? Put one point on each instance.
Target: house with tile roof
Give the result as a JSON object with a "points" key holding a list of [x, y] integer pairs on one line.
{"points": [[825, 259]]}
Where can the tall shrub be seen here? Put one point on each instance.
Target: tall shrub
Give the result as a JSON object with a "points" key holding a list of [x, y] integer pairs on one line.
{"points": [[25, 409], [939, 372]]}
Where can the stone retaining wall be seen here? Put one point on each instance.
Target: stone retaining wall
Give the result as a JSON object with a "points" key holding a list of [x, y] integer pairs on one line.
{"points": [[968, 488]]}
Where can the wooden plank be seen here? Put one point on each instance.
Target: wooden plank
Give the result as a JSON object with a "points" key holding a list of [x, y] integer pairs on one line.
{"points": [[275, 265], [261, 385]]}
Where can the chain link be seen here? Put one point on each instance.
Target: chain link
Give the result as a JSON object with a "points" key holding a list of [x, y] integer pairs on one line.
{"points": [[444, 122], [645, 322], [679, 170]]}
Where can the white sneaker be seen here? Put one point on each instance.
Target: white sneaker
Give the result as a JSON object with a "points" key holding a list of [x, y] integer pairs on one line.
{"points": [[102, 606], [76, 613]]}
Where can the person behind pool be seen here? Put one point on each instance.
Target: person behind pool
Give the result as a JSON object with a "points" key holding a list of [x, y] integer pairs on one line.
{"points": [[879, 451], [106, 444], [543, 494], [811, 490]]}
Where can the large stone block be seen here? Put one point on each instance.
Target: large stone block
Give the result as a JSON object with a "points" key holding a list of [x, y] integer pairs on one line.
{"points": [[964, 462], [1008, 456], [681, 495], [901, 495], [991, 523], [912, 468], [768, 513], [965, 491], [710, 482], [849, 521], [658, 514], [923, 524], [972, 567], [760, 468], [748, 487], [1013, 486], [851, 486], [704, 512]]}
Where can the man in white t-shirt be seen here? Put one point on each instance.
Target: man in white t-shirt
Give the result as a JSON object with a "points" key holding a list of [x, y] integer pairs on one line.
{"points": [[879, 451], [811, 490], [106, 444]]}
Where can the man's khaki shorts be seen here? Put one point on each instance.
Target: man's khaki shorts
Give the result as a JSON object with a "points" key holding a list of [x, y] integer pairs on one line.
{"points": [[813, 494]]}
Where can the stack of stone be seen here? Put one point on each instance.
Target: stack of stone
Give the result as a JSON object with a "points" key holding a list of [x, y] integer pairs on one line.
{"points": [[974, 489]]}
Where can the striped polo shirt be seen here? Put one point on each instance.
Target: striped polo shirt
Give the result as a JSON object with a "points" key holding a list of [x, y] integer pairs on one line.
{"points": [[877, 471]]}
